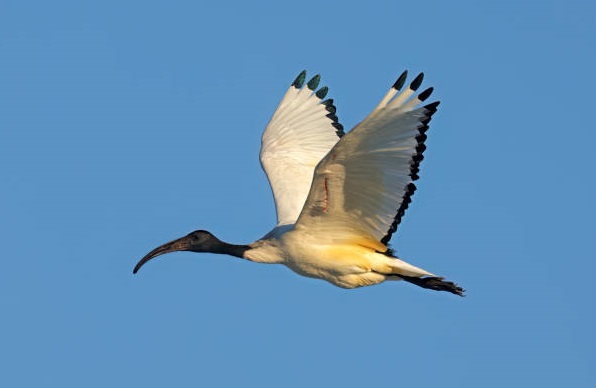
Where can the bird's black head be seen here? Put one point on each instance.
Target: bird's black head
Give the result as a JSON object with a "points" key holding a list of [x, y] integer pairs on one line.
{"points": [[201, 241], [197, 241]]}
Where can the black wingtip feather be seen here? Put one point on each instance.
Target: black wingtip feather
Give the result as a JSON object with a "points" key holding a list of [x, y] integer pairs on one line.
{"points": [[399, 83], [339, 129], [299, 81], [425, 94], [417, 82], [331, 108], [321, 93], [314, 82], [432, 107]]}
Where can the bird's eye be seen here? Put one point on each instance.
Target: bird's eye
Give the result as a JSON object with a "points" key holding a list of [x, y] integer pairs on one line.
{"points": [[196, 235]]}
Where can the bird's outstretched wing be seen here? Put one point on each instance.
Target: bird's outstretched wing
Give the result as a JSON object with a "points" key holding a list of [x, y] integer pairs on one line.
{"points": [[363, 185], [300, 133]]}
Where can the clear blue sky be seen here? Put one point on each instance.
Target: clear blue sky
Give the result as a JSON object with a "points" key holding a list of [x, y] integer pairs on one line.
{"points": [[124, 124]]}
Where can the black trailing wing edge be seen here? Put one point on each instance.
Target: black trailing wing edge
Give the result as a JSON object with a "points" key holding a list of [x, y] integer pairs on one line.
{"points": [[414, 167]]}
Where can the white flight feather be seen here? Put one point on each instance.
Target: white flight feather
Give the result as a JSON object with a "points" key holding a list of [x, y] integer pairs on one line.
{"points": [[360, 183], [297, 137]]}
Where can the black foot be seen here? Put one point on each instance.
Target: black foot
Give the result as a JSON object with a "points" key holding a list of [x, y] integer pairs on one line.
{"points": [[435, 283]]}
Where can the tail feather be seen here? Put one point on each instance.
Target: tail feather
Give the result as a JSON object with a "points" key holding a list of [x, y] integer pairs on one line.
{"points": [[392, 265]]}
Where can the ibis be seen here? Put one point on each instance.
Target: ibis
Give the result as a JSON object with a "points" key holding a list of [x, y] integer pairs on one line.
{"points": [[339, 196]]}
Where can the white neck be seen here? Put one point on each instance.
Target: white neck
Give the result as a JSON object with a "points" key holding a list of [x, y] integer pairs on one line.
{"points": [[265, 251]]}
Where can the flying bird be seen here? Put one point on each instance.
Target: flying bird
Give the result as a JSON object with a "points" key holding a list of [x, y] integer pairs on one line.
{"points": [[339, 196]]}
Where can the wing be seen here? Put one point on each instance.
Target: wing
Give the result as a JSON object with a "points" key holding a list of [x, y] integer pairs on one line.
{"points": [[364, 184], [300, 133]]}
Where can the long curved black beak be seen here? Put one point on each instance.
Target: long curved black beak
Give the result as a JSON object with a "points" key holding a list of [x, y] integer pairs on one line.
{"points": [[181, 244]]}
